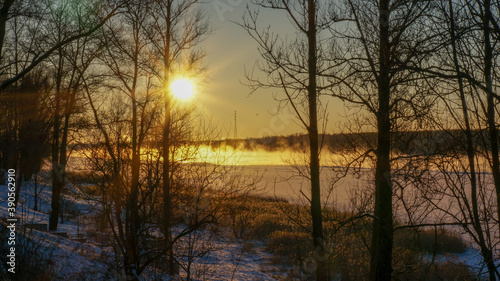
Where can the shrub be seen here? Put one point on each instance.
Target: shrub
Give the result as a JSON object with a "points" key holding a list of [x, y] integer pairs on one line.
{"points": [[439, 241], [252, 217], [264, 225], [447, 242], [449, 270], [350, 257], [294, 246]]}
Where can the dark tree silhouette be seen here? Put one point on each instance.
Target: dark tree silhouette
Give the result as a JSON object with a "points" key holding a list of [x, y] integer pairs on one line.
{"points": [[174, 30], [298, 68], [384, 38], [26, 9]]}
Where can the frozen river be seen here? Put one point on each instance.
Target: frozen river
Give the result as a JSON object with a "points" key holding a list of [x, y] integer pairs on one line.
{"points": [[284, 174]]}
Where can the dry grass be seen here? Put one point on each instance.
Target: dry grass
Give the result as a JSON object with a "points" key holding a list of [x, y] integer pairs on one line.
{"points": [[267, 219]]}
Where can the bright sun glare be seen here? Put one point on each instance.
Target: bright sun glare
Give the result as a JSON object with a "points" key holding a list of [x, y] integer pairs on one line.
{"points": [[182, 88]]}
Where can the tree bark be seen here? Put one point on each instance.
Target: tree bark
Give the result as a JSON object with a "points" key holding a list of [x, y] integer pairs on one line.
{"points": [[4, 17], [491, 110], [167, 188], [167, 196], [57, 179], [57, 187], [471, 154], [132, 257], [317, 232], [382, 237], [493, 136]]}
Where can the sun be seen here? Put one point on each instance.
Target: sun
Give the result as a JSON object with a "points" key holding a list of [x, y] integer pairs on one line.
{"points": [[182, 88]]}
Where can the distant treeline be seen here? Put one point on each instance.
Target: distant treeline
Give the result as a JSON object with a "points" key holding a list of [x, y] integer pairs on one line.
{"points": [[416, 142]]}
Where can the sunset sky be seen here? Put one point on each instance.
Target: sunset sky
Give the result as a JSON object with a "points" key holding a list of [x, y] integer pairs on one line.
{"points": [[230, 51]]}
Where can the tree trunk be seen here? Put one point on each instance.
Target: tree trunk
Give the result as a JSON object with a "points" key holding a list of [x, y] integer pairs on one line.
{"points": [[57, 186], [63, 158], [167, 200], [57, 180], [4, 17], [471, 154], [493, 136], [382, 237], [35, 185], [167, 188], [491, 110], [133, 221], [317, 232], [490, 264], [60, 160]]}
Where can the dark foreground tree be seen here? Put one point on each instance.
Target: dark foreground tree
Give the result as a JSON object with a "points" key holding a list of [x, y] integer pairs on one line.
{"points": [[470, 110], [174, 30], [296, 67], [143, 48], [381, 40], [24, 129], [68, 64], [11, 10]]}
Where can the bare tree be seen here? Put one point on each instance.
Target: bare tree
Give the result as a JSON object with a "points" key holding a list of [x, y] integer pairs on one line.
{"points": [[174, 30], [476, 48], [69, 64], [297, 67], [125, 59], [468, 112], [486, 19], [24, 133], [18, 113], [382, 39], [144, 48], [13, 9]]}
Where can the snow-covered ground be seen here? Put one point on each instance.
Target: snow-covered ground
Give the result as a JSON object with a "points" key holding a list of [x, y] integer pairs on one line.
{"points": [[231, 261], [471, 257], [226, 258]]}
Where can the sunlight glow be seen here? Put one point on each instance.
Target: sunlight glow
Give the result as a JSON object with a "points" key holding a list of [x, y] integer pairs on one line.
{"points": [[182, 88]]}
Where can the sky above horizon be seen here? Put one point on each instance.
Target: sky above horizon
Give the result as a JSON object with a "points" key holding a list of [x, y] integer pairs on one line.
{"points": [[231, 50]]}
